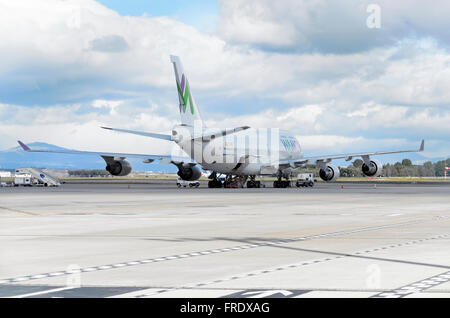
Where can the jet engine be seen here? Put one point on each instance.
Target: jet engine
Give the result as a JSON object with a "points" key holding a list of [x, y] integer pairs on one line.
{"points": [[189, 172], [118, 167], [373, 169], [329, 173]]}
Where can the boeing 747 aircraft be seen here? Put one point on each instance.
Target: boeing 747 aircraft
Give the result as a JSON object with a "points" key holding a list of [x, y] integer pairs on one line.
{"points": [[242, 152]]}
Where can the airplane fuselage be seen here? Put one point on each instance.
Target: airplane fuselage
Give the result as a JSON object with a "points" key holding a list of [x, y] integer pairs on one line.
{"points": [[249, 152]]}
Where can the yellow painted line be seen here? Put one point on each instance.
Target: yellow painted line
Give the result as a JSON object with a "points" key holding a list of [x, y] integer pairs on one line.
{"points": [[18, 211]]}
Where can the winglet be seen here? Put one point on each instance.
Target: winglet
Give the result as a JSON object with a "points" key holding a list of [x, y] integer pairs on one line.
{"points": [[109, 128], [24, 147], [422, 145]]}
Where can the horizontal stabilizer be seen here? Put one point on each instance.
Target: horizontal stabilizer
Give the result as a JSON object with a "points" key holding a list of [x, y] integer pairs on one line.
{"points": [[141, 133], [221, 133]]}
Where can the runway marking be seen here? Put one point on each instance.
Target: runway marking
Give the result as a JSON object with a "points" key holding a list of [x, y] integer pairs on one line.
{"points": [[56, 274], [266, 293], [156, 292], [139, 293], [223, 250], [47, 291], [439, 278], [416, 287], [20, 291], [18, 211]]}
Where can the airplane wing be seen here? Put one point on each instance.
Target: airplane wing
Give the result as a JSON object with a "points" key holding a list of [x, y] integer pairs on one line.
{"points": [[166, 159], [349, 156]]}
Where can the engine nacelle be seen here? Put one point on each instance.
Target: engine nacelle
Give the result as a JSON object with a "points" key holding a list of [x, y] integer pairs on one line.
{"points": [[189, 173], [330, 173], [119, 167], [373, 169]]}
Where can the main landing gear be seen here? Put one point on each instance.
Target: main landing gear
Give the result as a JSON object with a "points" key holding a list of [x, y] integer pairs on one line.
{"points": [[252, 183], [234, 182], [215, 182], [279, 183]]}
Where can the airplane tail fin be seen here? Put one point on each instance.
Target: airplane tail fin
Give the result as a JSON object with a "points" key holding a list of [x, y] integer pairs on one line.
{"points": [[188, 108]]}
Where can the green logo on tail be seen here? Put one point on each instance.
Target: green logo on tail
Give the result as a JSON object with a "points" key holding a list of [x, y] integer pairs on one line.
{"points": [[184, 97]]}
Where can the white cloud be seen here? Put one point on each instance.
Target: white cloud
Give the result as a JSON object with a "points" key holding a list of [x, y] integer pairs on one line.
{"points": [[65, 126], [329, 142], [319, 127], [329, 26], [49, 58], [78, 65]]}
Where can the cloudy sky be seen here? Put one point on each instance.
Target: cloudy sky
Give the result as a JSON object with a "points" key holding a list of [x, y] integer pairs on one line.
{"points": [[311, 66]]}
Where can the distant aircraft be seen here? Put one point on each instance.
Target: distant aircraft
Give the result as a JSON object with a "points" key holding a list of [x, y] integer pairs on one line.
{"points": [[237, 152]]}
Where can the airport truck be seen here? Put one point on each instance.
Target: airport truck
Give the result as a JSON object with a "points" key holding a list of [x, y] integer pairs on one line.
{"points": [[23, 180], [35, 177], [305, 180]]}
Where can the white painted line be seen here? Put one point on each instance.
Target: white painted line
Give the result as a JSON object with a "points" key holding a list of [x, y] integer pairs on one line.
{"points": [[332, 234], [57, 274], [138, 293], [155, 293], [43, 292], [304, 263]]}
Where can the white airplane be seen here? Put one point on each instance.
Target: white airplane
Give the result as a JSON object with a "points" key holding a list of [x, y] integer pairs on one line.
{"points": [[237, 152]]}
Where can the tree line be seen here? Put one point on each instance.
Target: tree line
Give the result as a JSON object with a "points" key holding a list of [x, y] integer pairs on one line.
{"points": [[405, 168], [89, 173], [401, 169]]}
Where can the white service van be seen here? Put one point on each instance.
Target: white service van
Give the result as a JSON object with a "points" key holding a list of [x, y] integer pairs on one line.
{"points": [[305, 180]]}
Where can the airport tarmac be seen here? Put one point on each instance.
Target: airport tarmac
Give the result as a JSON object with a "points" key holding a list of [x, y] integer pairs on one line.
{"points": [[155, 240]]}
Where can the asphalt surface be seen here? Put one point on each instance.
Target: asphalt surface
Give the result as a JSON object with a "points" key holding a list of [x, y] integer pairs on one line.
{"points": [[155, 240]]}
